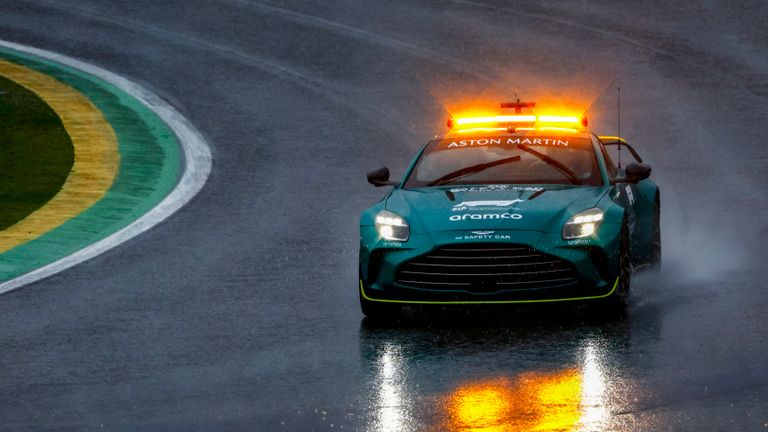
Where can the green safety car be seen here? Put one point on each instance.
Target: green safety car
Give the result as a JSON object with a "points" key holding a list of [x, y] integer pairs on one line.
{"points": [[510, 209]]}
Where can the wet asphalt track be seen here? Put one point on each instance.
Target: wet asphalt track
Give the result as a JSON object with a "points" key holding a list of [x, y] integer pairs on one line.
{"points": [[240, 312]]}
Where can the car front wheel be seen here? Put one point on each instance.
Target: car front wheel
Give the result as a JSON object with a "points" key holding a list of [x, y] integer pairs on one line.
{"points": [[616, 303]]}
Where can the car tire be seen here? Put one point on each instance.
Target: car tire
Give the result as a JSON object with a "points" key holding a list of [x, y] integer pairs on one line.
{"points": [[655, 253], [616, 304]]}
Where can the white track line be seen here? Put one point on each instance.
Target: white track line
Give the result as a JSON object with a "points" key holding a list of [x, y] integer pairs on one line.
{"points": [[196, 157]]}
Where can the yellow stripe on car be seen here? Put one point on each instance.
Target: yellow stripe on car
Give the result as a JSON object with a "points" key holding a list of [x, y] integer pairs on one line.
{"points": [[365, 296]]}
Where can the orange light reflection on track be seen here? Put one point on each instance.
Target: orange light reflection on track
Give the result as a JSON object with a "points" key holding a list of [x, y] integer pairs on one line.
{"points": [[534, 401]]}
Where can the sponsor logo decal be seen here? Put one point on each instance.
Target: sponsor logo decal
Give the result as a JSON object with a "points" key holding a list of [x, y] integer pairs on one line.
{"points": [[482, 233], [466, 205], [630, 196], [578, 242], [485, 216], [493, 188], [500, 187]]}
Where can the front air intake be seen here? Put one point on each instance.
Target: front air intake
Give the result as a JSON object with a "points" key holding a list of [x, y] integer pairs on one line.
{"points": [[485, 269]]}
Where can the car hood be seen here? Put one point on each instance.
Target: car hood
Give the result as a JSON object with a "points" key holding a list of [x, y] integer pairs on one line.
{"points": [[524, 207]]}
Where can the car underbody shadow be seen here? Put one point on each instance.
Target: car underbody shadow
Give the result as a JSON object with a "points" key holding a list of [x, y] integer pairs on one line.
{"points": [[501, 316]]}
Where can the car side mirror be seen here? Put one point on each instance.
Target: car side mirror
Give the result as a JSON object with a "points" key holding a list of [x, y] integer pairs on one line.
{"points": [[634, 173], [380, 177], [637, 172]]}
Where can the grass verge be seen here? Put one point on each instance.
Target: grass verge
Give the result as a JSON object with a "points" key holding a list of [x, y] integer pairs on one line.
{"points": [[36, 153]]}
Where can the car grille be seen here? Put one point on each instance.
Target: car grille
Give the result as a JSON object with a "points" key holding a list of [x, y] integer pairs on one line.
{"points": [[485, 268]]}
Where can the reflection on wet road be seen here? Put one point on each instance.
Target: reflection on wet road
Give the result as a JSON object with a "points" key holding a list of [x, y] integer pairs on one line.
{"points": [[531, 401], [391, 398], [493, 380]]}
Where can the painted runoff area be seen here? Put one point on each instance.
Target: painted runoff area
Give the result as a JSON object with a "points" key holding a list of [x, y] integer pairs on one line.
{"points": [[96, 156], [36, 153], [137, 161]]}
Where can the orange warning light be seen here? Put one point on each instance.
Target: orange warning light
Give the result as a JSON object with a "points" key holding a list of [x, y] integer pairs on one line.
{"points": [[495, 122]]}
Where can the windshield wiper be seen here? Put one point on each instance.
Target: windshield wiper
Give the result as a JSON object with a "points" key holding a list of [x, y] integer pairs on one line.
{"points": [[553, 163], [459, 174]]}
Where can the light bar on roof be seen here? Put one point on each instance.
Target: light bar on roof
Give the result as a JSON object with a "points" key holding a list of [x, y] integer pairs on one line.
{"points": [[481, 129], [541, 120], [558, 119], [496, 119]]}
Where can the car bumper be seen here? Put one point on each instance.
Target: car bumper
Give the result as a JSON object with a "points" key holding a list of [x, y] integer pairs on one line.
{"points": [[592, 262]]}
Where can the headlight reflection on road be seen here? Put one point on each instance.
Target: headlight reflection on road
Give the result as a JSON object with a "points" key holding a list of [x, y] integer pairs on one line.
{"points": [[593, 410], [392, 402]]}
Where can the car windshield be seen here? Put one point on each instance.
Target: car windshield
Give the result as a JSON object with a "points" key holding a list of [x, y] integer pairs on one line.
{"points": [[509, 159]]}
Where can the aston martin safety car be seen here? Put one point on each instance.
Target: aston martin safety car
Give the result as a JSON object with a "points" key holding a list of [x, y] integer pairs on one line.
{"points": [[510, 208]]}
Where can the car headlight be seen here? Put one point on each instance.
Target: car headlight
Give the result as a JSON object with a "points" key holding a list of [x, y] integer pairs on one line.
{"points": [[391, 226], [583, 224]]}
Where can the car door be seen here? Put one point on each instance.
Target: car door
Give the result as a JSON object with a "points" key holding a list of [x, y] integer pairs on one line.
{"points": [[638, 201]]}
